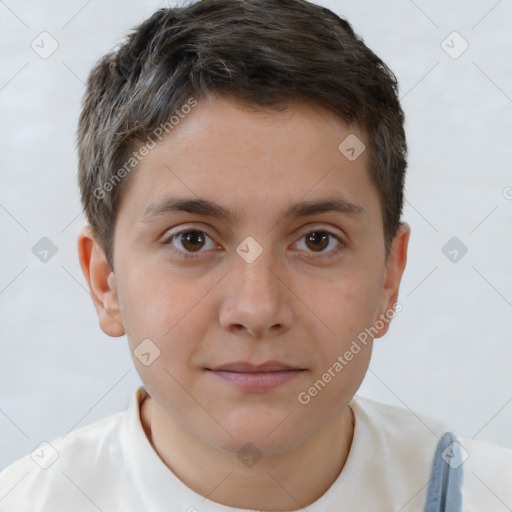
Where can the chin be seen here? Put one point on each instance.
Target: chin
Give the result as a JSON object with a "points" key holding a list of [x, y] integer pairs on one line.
{"points": [[264, 437]]}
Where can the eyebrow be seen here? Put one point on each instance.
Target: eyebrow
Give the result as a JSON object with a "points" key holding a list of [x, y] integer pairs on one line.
{"points": [[210, 209]]}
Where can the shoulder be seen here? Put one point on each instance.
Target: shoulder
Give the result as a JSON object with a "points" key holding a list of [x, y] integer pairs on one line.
{"points": [[49, 474], [398, 426], [487, 475], [412, 439]]}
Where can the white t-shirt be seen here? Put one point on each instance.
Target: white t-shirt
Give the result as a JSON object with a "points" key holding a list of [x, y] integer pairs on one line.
{"points": [[111, 466]]}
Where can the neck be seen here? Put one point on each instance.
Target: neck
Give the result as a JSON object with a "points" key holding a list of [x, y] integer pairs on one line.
{"points": [[289, 481]]}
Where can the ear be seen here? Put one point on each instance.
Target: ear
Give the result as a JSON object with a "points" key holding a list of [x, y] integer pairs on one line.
{"points": [[101, 282], [395, 267]]}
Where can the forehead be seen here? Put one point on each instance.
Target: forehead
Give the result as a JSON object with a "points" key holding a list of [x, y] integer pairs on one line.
{"points": [[226, 125], [243, 157]]}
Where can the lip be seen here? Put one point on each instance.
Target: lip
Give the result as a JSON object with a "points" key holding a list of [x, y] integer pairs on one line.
{"points": [[246, 367], [254, 378]]}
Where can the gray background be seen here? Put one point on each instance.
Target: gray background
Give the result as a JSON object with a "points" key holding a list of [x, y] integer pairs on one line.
{"points": [[448, 352]]}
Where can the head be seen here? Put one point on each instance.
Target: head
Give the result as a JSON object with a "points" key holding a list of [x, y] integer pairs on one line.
{"points": [[218, 118]]}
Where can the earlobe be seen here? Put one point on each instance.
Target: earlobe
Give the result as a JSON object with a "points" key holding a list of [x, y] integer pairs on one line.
{"points": [[395, 267], [101, 282]]}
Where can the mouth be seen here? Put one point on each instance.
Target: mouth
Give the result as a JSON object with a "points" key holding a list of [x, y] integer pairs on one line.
{"points": [[246, 367], [261, 377]]}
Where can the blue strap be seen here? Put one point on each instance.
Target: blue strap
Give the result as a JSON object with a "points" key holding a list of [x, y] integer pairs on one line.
{"points": [[444, 491]]}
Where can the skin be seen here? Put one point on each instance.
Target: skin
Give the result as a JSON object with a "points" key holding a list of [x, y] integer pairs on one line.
{"points": [[218, 308]]}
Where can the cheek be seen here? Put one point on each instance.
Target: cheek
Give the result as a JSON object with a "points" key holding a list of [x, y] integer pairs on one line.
{"points": [[173, 313], [344, 355], [346, 305], [156, 302]]}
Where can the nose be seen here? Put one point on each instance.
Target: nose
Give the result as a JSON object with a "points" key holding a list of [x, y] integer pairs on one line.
{"points": [[257, 301]]}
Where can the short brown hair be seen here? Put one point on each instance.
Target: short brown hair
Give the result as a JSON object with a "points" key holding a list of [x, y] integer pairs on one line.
{"points": [[265, 53]]}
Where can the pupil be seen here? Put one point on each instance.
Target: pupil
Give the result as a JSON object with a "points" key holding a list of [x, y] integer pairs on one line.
{"points": [[192, 238], [318, 236]]}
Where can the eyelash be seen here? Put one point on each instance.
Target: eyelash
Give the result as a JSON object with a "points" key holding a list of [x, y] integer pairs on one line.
{"points": [[194, 256]]}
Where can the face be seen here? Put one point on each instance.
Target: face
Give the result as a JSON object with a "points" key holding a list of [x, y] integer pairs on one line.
{"points": [[275, 279]]}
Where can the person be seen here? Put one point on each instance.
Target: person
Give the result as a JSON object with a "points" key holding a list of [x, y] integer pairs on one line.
{"points": [[241, 166]]}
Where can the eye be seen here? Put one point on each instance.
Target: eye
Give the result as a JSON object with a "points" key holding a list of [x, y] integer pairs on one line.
{"points": [[189, 242], [192, 240], [318, 240]]}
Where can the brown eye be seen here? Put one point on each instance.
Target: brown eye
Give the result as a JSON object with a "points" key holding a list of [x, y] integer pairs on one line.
{"points": [[192, 240], [316, 244], [189, 243], [317, 240]]}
